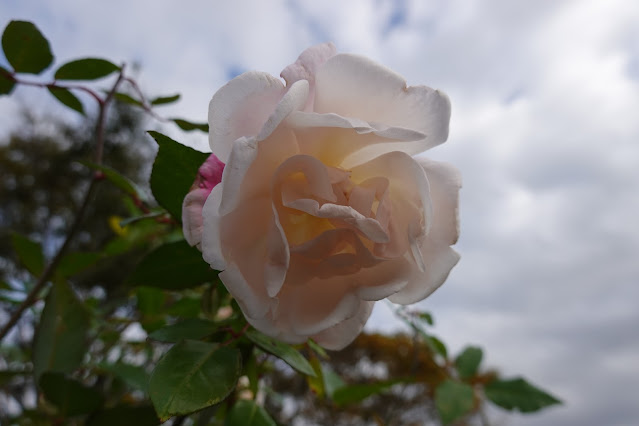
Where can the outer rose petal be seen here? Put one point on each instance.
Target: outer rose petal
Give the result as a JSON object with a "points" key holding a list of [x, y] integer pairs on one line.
{"points": [[354, 86], [341, 335], [240, 108]]}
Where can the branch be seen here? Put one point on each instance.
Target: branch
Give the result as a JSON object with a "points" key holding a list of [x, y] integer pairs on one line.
{"points": [[32, 297]]}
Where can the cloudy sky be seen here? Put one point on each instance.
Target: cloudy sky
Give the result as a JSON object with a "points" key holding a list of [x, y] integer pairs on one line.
{"points": [[545, 129]]}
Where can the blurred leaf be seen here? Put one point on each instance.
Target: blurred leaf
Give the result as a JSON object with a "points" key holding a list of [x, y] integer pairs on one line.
{"points": [[134, 376], [427, 318], [188, 125], [174, 172], [67, 98], [7, 375], [150, 300], [281, 350], [173, 266], [453, 400], [6, 82], [468, 361], [85, 69], [248, 413], [316, 381], [127, 99], [162, 100], [193, 375], [73, 263], [356, 393], [193, 328], [317, 349], [332, 381], [186, 307], [29, 252], [70, 396], [119, 180], [437, 346], [25, 47], [59, 341], [518, 394], [124, 415]]}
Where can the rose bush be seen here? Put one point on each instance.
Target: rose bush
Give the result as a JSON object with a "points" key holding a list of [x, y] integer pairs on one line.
{"points": [[322, 208]]}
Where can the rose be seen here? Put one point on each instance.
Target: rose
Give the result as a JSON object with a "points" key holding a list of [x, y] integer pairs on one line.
{"points": [[321, 209]]}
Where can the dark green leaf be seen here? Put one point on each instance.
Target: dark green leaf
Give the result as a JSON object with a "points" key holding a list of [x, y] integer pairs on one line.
{"points": [[468, 361], [6, 82], [150, 300], [6, 376], [192, 328], [427, 318], [25, 47], [173, 266], [29, 252], [281, 350], [186, 307], [355, 393], [437, 346], [174, 172], [193, 375], [67, 98], [124, 415], [59, 341], [161, 100], [518, 394], [127, 99], [320, 351], [85, 69], [76, 262], [188, 125], [134, 376], [70, 396], [248, 413], [453, 400], [118, 180]]}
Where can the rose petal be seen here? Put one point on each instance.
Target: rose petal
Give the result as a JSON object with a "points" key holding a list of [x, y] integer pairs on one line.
{"points": [[240, 108], [192, 220], [354, 86], [341, 335], [252, 299]]}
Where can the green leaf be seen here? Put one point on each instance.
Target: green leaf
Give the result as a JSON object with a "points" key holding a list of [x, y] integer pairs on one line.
{"points": [[117, 179], [59, 341], [518, 394], [427, 318], [174, 172], [124, 415], [350, 394], [193, 328], [320, 351], [193, 375], [162, 100], [134, 376], [316, 381], [127, 99], [150, 300], [6, 376], [76, 262], [25, 47], [281, 350], [85, 69], [437, 346], [453, 400], [468, 361], [67, 98], [188, 125], [332, 381], [29, 252], [6, 82], [248, 413], [173, 266], [70, 396]]}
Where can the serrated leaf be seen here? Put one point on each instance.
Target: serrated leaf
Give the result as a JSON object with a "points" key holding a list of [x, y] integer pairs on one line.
{"points": [[193, 328], [350, 394], [25, 48], [135, 376], [248, 413], [124, 415], [284, 351], [173, 266], [188, 125], [193, 375], [127, 99], [67, 98], [85, 69], [162, 100], [174, 172], [29, 253], [60, 336], [6, 82], [453, 400], [71, 397], [518, 394], [468, 361]]}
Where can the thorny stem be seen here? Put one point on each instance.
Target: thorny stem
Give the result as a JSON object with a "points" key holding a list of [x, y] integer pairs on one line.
{"points": [[75, 227]]}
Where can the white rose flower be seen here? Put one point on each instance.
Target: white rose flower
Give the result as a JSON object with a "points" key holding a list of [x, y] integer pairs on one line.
{"points": [[322, 208]]}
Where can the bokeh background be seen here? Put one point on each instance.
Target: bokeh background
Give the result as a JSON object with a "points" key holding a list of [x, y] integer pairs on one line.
{"points": [[545, 129]]}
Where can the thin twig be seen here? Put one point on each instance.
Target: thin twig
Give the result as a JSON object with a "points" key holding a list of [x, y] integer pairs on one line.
{"points": [[32, 297]]}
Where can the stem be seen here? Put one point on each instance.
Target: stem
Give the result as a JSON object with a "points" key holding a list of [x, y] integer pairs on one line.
{"points": [[32, 297]]}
